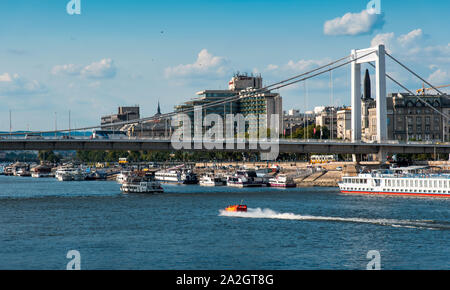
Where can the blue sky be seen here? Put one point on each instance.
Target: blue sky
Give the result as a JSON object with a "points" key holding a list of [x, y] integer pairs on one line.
{"points": [[138, 52]]}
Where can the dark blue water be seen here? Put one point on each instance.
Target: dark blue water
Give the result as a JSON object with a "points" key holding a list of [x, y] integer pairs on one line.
{"points": [[300, 228]]}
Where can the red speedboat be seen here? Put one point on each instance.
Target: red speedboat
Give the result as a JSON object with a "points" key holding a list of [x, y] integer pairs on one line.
{"points": [[237, 208]]}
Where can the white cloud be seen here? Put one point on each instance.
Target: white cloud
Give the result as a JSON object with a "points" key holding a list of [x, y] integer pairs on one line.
{"points": [[6, 77], [102, 69], [384, 38], [206, 64], [304, 65], [410, 37], [439, 77], [68, 69], [354, 24], [14, 84], [272, 67], [99, 70]]}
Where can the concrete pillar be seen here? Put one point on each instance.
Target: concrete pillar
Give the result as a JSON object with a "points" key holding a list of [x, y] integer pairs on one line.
{"points": [[356, 99], [356, 158], [381, 95], [382, 156]]}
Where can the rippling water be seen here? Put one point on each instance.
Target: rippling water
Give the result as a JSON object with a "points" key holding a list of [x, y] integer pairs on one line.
{"points": [[185, 228]]}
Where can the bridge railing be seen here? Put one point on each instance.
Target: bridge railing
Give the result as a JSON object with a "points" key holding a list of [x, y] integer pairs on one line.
{"points": [[147, 138]]}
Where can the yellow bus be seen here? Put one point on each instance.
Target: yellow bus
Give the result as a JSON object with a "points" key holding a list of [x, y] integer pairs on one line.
{"points": [[322, 159]]}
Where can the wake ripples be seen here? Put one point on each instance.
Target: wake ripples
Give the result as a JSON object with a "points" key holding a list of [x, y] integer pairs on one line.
{"points": [[258, 213]]}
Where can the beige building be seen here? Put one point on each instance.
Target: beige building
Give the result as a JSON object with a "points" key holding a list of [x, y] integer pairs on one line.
{"points": [[327, 118], [344, 124]]}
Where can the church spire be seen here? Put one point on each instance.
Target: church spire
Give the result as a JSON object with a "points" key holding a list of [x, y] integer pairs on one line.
{"points": [[158, 112], [367, 90]]}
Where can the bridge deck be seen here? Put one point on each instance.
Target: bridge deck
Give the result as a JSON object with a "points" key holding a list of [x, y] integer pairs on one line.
{"points": [[284, 146]]}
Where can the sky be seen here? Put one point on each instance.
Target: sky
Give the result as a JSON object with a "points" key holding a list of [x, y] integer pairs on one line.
{"points": [[133, 52]]}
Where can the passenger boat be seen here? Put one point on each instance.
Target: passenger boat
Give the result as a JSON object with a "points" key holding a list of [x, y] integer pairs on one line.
{"points": [[41, 171], [23, 173], [211, 180], [177, 176], [141, 184], [78, 175], [122, 176], [245, 178], [236, 208], [63, 171], [282, 181], [65, 176], [411, 181]]}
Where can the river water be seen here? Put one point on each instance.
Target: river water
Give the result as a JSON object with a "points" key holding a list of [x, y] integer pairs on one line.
{"points": [[184, 228]]}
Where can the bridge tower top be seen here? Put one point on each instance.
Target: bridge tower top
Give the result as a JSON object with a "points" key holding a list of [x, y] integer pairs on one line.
{"points": [[374, 54]]}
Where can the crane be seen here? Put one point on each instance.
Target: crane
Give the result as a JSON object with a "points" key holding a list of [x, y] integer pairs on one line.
{"points": [[423, 89]]}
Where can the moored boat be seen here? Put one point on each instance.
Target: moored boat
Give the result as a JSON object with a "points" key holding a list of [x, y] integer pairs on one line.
{"points": [[282, 181], [41, 171], [141, 184], [211, 180], [245, 178], [176, 176], [122, 176]]}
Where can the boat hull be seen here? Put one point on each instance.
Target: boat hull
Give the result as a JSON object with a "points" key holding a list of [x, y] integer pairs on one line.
{"points": [[397, 193], [282, 185]]}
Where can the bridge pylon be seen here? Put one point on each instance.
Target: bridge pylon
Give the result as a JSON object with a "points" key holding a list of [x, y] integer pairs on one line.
{"points": [[378, 56]]}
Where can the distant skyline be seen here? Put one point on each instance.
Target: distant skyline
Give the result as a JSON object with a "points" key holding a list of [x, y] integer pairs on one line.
{"points": [[141, 52]]}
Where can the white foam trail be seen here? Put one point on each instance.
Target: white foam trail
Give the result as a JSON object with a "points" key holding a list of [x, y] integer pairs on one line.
{"points": [[259, 213]]}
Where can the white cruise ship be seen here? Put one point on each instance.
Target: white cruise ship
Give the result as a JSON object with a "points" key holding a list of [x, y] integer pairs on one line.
{"points": [[409, 181]]}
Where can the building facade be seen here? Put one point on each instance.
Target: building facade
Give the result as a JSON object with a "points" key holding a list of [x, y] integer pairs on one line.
{"points": [[344, 124], [328, 118], [410, 119], [262, 105], [123, 114]]}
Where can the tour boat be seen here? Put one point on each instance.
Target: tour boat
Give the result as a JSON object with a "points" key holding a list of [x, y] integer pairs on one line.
{"points": [[211, 180], [65, 176], [411, 181], [122, 176], [282, 181], [245, 179], [141, 184], [77, 175], [41, 171], [177, 176]]}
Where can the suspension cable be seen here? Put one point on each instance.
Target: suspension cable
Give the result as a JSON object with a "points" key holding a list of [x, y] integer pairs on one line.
{"points": [[405, 67], [417, 96]]}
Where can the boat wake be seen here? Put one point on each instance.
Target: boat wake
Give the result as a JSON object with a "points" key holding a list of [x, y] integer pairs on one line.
{"points": [[258, 213]]}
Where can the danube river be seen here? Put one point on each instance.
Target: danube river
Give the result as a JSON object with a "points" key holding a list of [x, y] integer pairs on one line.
{"points": [[41, 220]]}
